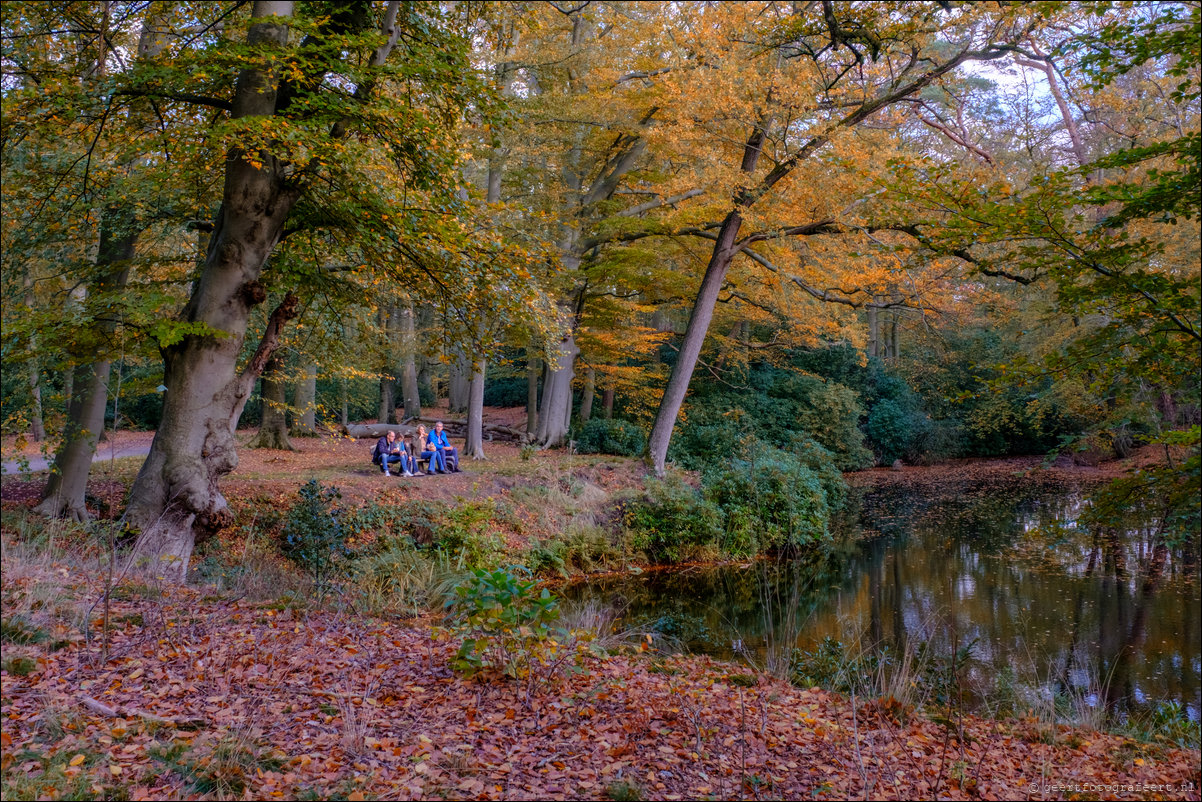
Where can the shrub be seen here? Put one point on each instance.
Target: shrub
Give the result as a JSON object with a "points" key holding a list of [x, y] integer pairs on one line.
{"points": [[313, 536], [610, 436], [701, 441], [896, 429], [506, 391], [821, 462], [671, 521], [507, 624], [771, 502], [774, 406]]}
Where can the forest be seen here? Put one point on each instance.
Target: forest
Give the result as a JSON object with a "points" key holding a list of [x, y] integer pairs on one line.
{"points": [[824, 378]]}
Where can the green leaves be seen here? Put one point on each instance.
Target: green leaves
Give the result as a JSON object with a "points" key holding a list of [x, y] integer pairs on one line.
{"points": [[507, 624], [171, 332]]}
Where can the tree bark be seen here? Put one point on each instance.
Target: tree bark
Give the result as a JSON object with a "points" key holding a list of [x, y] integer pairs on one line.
{"points": [[586, 398], [305, 402], [474, 442], [607, 403], [533, 368], [556, 412], [410, 394], [37, 426], [67, 485], [694, 337], [273, 430], [345, 402], [175, 497], [458, 383]]}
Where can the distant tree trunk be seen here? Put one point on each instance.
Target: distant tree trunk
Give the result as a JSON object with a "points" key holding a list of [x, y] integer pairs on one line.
{"points": [[273, 431], [874, 332], [385, 397], [305, 402], [344, 398], [65, 489], [474, 447], [533, 368], [425, 365], [607, 403], [460, 378], [37, 427], [387, 410], [409, 387], [586, 398], [555, 415]]}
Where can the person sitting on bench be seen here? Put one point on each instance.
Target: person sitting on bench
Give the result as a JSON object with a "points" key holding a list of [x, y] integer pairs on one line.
{"points": [[439, 442], [437, 462], [387, 451]]}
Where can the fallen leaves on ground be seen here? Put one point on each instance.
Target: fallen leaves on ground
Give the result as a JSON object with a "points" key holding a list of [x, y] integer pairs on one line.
{"points": [[328, 704]]}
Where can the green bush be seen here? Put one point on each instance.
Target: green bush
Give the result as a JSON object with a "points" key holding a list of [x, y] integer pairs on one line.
{"points": [[895, 430], [507, 625], [773, 405], [672, 521], [506, 391], [821, 462], [313, 536], [610, 436], [771, 502], [701, 441]]}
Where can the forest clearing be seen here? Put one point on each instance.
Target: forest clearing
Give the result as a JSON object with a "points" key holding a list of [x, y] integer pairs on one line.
{"points": [[601, 399]]}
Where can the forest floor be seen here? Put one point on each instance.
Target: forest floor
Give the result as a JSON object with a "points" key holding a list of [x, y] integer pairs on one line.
{"points": [[203, 692], [212, 697]]}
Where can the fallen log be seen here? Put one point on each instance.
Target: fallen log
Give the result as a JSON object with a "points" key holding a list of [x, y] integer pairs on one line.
{"points": [[362, 430]]}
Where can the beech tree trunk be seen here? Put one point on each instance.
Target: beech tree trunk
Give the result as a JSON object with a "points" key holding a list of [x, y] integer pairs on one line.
{"points": [[586, 398], [67, 485], [474, 445], [694, 337], [533, 368], [37, 427], [607, 403], [555, 415], [175, 497], [345, 403], [273, 431], [305, 402], [410, 394], [458, 383], [874, 331]]}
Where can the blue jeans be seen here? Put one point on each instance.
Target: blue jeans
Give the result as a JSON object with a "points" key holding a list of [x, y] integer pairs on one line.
{"points": [[436, 461]]}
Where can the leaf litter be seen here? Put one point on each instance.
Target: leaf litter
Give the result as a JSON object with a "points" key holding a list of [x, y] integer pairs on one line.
{"points": [[282, 704]]}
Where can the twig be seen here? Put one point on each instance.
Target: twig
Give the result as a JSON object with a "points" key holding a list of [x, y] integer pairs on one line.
{"points": [[132, 712]]}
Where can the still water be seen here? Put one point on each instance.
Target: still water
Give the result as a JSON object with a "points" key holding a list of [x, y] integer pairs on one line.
{"points": [[1039, 609]]}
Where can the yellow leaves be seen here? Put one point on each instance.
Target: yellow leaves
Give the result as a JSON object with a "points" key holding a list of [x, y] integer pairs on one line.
{"points": [[77, 760]]}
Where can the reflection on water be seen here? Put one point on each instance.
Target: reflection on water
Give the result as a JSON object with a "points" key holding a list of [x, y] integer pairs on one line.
{"points": [[1110, 618]]}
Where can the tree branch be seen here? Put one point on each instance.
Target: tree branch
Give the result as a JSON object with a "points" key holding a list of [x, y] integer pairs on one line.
{"points": [[287, 310], [183, 97]]}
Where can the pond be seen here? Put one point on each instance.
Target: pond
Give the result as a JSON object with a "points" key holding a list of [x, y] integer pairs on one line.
{"points": [[991, 593]]}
